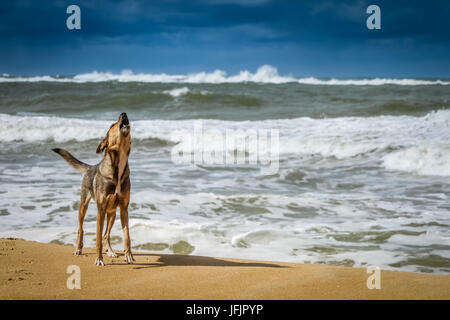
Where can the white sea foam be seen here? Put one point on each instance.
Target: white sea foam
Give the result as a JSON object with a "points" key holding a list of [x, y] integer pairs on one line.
{"points": [[177, 92], [414, 144], [264, 74], [425, 160], [232, 233], [241, 237], [372, 82], [31, 129]]}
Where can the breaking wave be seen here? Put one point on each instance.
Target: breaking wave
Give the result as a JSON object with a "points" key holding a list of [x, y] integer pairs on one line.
{"points": [[264, 74], [407, 143], [423, 160]]}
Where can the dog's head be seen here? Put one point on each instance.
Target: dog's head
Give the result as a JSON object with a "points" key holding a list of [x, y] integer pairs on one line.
{"points": [[118, 136]]}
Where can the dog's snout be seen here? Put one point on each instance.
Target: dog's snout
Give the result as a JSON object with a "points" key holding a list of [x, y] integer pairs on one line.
{"points": [[123, 120]]}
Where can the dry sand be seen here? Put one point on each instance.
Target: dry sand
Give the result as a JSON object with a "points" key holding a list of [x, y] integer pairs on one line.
{"points": [[32, 270]]}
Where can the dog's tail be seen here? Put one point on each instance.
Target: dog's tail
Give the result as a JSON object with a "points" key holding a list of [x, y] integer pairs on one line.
{"points": [[72, 161]]}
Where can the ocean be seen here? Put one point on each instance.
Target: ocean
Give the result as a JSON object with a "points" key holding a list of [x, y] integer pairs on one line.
{"points": [[362, 176]]}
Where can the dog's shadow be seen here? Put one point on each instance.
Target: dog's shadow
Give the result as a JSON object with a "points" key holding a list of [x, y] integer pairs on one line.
{"points": [[165, 260]]}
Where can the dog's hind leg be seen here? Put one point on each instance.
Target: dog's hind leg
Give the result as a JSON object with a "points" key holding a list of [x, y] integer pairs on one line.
{"points": [[110, 217], [84, 203]]}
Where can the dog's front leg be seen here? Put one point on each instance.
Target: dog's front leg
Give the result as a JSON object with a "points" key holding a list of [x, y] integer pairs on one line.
{"points": [[100, 220], [126, 234], [111, 216]]}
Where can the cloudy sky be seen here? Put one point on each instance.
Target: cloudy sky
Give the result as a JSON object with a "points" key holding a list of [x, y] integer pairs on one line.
{"points": [[301, 38]]}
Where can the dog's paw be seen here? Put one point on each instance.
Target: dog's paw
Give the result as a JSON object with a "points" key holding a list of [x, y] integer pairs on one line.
{"points": [[111, 253], [99, 262], [77, 252], [129, 258]]}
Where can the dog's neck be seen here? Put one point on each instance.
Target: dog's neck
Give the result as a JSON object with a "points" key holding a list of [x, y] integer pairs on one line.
{"points": [[114, 166]]}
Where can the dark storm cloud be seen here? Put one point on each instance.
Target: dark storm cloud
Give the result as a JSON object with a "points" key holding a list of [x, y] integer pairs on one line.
{"points": [[302, 27]]}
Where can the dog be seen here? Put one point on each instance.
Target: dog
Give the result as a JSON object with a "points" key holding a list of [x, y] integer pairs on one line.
{"points": [[108, 183]]}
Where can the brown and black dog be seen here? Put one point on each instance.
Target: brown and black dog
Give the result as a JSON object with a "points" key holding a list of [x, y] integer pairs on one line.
{"points": [[108, 183]]}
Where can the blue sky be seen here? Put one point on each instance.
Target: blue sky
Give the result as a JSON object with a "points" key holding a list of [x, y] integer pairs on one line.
{"points": [[301, 38]]}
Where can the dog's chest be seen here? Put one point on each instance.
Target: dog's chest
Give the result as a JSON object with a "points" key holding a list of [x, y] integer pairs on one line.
{"points": [[114, 166]]}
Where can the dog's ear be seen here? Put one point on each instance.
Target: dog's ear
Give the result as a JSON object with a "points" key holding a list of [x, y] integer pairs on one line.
{"points": [[102, 145]]}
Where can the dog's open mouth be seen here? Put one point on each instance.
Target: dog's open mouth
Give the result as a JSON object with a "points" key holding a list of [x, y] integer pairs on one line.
{"points": [[124, 123]]}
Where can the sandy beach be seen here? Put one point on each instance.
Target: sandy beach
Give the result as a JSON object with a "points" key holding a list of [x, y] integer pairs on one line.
{"points": [[32, 270]]}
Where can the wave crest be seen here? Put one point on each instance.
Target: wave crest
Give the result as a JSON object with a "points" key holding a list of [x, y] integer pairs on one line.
{"points": [[423, 160], [264, 74]]}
